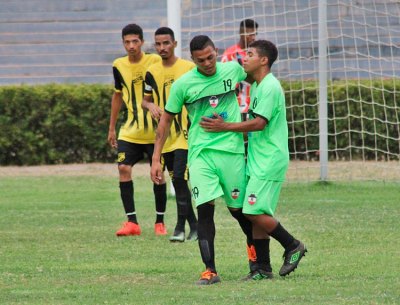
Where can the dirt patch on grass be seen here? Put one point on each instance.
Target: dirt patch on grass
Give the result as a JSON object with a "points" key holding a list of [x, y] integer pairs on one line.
{"points": [[90, 169], [298, 171]]}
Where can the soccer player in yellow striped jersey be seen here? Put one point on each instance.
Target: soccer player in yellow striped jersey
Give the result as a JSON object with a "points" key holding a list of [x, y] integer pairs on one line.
{"points": [[136, 135], [159, 78]]}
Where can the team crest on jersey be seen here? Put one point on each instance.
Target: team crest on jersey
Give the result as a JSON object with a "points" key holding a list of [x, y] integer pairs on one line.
{"points": [[252, 199], [121, 157], [235, 193], [137, 78], [213, 101]]}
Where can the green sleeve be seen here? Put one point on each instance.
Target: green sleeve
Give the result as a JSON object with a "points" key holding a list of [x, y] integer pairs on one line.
{"points": [[176, 99], [265, 105]]}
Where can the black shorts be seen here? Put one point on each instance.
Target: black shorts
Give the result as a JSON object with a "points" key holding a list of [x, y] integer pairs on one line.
{"points": [[131, 153], [176, 163]]}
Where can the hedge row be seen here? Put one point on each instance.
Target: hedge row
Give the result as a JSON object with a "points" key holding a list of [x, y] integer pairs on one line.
{"points": [[53, 124]]}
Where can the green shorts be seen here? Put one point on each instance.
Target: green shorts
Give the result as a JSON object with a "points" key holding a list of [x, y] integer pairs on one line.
{"points": [[217, 173], [261, 196]]}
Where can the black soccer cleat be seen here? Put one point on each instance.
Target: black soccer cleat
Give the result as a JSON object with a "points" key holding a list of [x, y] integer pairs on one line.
{"points": [[208, 277], [258, 275], [178, 236], [292, 259], [192, 236]]}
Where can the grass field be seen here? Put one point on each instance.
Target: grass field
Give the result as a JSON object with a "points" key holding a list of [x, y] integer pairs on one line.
{"points": [[57, 246]]}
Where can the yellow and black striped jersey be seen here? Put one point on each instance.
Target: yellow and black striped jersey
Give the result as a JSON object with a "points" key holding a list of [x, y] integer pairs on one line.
{"points": [[139, 127], [158, 84]]}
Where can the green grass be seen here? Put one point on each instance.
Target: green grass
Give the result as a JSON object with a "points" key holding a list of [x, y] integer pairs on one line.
{"points": [[57, 246]]}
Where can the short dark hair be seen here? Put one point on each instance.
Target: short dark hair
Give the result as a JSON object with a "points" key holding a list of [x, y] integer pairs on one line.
{"points": [[249, 23], [266, 48], [200, 42], [132, 29], [165, 31]]}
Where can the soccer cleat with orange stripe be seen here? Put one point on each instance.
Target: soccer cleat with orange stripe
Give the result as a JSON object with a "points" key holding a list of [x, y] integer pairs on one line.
{"points": [[129, 228], [208, 277], [252, 256], [159, 229]]}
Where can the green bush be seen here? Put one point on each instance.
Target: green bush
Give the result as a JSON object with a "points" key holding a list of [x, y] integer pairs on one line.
{"points": [[53, 124]]}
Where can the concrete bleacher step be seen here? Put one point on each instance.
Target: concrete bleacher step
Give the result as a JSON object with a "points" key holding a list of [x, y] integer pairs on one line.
{"points": [[79, 39], [59, 48], [46, 59], [13, 6], [74, 16], [60, 79], [55, 69]]}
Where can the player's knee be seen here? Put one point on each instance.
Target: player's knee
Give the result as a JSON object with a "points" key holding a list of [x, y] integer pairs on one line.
{"points": [[125, 171], [250, 217]]}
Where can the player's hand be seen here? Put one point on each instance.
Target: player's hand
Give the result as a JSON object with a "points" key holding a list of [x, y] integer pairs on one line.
{"points": [[214, 124], [156, 172], [155, 111], [112, 139]]}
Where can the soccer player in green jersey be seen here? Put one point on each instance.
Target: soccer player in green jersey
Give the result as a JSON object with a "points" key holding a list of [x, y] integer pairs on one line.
{"points": [[267, 160], [216, 160], [159, 78], [136, 136]]}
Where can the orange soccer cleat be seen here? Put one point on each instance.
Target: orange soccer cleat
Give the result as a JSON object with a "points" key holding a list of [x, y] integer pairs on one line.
{"points": [[129, 228], [159, 229], [208, 277]]}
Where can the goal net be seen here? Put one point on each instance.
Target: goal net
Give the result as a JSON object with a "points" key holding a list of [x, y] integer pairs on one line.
{"points": [[363, 72]]}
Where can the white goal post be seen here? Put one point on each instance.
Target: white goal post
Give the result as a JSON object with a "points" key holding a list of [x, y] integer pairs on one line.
{"points": [[339, 63]]}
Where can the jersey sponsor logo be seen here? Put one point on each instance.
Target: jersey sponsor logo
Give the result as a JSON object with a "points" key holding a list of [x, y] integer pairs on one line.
{"points": [[168, 80], [138, 78], [121, 156], [235, 193], [213, 101], [252, 199]]}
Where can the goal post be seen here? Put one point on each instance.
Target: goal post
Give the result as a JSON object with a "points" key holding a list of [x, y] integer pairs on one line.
{"points": [[323, 90], [339, 64]]}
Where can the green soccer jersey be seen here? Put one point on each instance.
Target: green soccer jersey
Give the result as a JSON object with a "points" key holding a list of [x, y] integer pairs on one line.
{"points": [[203, 96], [268, 152]]}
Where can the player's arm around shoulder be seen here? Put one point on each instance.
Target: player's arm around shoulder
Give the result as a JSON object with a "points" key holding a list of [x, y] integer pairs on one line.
{"points": [[217, 124]]}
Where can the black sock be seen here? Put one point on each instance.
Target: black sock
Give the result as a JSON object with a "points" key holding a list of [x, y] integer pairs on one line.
{"points": [[191, 216], [160, 196], [284, 237], [181, 193], [244, 223], [206, 234], [262, 251], [126, 191]]}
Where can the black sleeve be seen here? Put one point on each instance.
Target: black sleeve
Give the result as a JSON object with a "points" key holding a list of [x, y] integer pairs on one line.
{"points": [[150, 82], [118, 80]]}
